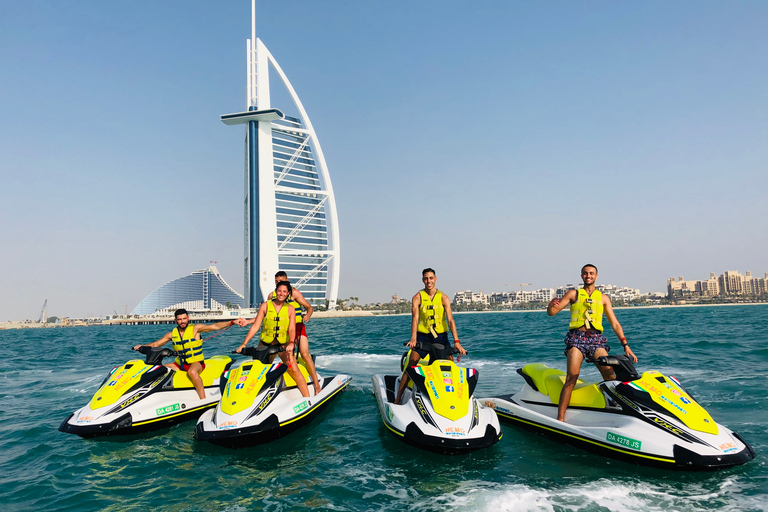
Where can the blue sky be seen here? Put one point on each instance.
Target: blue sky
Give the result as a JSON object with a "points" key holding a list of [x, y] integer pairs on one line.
{"points": [[498, 142]]}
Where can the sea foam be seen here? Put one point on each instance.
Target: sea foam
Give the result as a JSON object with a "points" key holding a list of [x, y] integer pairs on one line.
{"points": [[603, 494]]}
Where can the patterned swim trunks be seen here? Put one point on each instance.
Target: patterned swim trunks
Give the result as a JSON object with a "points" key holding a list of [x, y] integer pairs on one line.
{"points": [[587, 342]]}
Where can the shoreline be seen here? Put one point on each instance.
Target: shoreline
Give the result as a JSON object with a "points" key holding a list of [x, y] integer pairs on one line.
{"points": [[693, 305], [169, 320], [350, 314], [660, 306]]}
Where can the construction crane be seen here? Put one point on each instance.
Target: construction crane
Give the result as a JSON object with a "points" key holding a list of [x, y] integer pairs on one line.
{"points": [[44, 313], [520, 285]]}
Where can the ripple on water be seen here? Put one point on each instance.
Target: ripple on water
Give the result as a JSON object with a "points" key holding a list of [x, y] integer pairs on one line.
{"points": [[346, 460]]}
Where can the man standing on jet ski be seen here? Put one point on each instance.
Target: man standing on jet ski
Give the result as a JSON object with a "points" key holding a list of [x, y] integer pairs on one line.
{"points": [[188, 342], [585, 338], [431, 317], [279, 320]]}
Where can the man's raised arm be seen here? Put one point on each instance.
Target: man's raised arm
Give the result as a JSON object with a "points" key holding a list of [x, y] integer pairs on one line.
{"points": [[557, 305]]}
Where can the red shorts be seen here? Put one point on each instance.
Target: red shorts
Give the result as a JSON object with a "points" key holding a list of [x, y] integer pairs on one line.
{"points": [[301, 330], [185, 367]]}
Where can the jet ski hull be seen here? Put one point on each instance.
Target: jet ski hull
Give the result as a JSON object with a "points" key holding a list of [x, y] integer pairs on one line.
{"points": [[141, 397], [624, 430], [142, 417], [416, 423], [284, 413]]}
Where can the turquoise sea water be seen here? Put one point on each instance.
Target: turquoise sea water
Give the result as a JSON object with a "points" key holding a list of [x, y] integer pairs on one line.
{"points": [[346, 460]]}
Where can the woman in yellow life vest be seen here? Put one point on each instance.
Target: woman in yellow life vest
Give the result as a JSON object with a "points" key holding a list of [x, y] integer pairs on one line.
{"points": [[585, 335], [187, 341], [431, 319], [279, 328], [297, 300]]}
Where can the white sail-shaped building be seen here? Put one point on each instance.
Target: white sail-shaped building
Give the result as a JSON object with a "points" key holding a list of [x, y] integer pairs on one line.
{"points": [[290, 210]]}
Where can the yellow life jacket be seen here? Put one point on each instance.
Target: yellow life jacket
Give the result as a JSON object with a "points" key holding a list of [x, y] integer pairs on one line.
{"points": [[295, 305], [432, 314], [297, 309], [275, 325], [587, 311], [191, 349]]}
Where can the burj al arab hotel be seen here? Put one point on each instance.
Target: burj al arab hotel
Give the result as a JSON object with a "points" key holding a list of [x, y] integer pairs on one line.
{"points": [[290, 211]]}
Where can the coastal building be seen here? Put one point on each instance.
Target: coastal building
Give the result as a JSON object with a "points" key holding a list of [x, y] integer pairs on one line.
{"points": [[541, 295], [758, 285], [729, 282], [501, 297], [396, 299], [710, 287], [290, 209], [616, 293], [619, 293], [469, 297], [680, 287], [518, 297], [733, 283], [202, 290]]}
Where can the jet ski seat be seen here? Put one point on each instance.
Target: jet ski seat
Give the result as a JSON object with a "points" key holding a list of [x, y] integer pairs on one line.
{"points": [[550, 381], [214, 367], [290, 381], [538, 373]]}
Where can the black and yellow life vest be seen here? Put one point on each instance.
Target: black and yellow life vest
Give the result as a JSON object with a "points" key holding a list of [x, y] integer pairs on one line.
{"points": [[587, 311], [275, 325], [191, 350], [432, 314]]}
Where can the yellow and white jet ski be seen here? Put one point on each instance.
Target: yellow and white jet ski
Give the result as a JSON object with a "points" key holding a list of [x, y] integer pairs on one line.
{"points": [[260, 401], [647, 419], [438, 411], [141, 396]]}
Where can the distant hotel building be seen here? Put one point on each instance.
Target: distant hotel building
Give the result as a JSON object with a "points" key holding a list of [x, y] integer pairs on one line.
{"points": [[729, 282], [290, 210], [508, 299], [202, 290], [616, 293], [470, 297], [518, 297]]}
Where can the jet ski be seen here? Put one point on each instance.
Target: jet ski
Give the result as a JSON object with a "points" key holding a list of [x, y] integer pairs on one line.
{"points": [[647, 419], [141, 396], [438, 411], [260, 401]]}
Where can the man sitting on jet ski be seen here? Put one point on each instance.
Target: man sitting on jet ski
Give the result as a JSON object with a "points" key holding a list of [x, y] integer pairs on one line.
{"points": [[279, 320], [431, 317], [585, 338], [188, 343]]}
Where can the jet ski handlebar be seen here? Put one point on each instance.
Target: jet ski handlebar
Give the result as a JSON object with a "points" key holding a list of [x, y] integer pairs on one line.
{"points": [[261, 353], [155, 355], [438, 350], [621, 364]]}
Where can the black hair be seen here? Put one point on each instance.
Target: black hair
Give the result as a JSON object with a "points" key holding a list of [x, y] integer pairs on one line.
{"points": [[283, 283], [179, 312], [281, 273], [426, 270], [589, 265]]}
